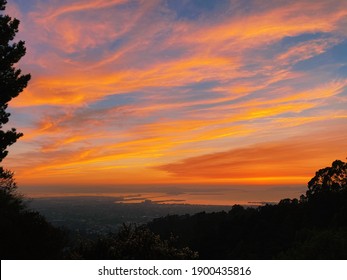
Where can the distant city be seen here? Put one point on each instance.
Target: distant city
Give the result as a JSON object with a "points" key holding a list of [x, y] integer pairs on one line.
{"points": [[101, 215]]}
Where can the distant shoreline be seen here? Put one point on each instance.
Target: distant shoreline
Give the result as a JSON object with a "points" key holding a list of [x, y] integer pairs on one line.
{"points": [[144, 201]]}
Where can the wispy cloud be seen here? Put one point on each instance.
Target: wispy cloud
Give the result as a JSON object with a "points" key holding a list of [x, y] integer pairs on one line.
{"points": [[293, 159], [121, 87]]}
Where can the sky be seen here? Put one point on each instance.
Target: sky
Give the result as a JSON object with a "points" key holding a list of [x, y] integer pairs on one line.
{"points": [[196, 101]]}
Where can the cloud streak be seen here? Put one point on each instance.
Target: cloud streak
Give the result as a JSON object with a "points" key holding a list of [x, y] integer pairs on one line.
{"points": [[288, 160], [121, 87]]}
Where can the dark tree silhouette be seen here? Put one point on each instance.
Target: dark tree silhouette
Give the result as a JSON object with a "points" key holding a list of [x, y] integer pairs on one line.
{"points": [[11, 81], [332, 178], [11, 84], [10, 199], [313, 227], [24, 234]]}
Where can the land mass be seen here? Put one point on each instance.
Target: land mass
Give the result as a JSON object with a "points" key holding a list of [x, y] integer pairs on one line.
{"points": [[90, 215]]}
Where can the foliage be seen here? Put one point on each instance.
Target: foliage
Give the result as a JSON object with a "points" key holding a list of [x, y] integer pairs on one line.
{"points": [[328, 179], [10, 199], [11, 81], [25, 234], [130, 242], [318, 244]]}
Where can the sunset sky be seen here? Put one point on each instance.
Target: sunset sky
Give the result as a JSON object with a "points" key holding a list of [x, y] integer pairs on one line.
{"points": [[196, 101]]}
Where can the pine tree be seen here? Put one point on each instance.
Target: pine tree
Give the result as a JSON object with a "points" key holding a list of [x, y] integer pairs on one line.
{"points": [[12, 82], [24, 234]]}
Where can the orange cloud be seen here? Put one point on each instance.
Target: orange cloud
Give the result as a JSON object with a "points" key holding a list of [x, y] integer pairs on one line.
{"points": [[307, 50], [293, 160], [286, 20], [82, 6]]}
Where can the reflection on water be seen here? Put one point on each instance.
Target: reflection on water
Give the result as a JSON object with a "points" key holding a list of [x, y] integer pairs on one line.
{"points": [[174, 194]]}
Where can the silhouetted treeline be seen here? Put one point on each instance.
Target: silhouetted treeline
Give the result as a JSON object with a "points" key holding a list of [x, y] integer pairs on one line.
{"points": [[294, 230], [314, 227], [25, 234]]}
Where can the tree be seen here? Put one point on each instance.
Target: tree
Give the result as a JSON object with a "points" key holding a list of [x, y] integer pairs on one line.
{"points": [[12, 82], [10, 199], [24, 234], [332, 179]]}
